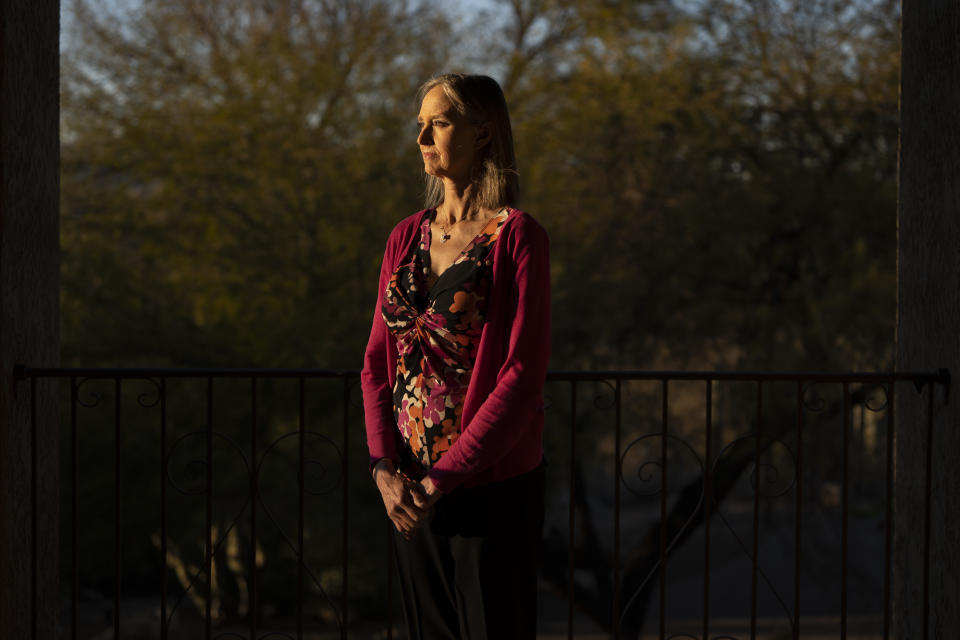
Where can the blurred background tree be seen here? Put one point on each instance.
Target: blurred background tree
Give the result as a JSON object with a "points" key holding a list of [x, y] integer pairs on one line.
{"points": [[230, 172], [717, 177]]}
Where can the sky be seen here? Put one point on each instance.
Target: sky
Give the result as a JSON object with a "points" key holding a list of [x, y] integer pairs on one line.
{"points": [[452, 6]]}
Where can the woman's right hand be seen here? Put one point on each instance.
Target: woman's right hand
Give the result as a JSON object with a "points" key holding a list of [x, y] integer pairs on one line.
{"points": [[400, 498]]}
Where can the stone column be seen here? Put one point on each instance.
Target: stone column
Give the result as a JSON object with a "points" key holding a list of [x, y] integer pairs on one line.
{"points": [[29, 308], [928, 320]]}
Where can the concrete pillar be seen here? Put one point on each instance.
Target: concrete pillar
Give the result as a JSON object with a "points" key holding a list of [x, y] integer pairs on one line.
{"points": [[29, 308], [928, 320]]}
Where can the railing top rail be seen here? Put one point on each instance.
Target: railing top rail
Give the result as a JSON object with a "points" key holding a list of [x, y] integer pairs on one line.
{"points": [[179, 372], [941, 376]]}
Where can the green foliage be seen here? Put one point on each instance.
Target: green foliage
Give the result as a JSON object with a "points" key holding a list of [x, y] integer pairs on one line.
{"points": [[229, 178], [718, 181], [720, 190]]}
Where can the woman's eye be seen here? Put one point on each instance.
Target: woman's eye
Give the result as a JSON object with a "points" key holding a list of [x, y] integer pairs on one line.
{"points": [[439, 123]]}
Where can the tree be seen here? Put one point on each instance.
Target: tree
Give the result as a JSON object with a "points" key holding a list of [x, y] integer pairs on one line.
{"points": [[221, 161]]}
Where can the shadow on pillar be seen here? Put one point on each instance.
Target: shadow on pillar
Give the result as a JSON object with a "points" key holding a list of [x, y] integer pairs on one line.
{"points": [[29, 314]]}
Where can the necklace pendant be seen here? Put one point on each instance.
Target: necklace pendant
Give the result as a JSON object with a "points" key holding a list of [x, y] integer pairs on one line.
{"points": [[444, 236]]}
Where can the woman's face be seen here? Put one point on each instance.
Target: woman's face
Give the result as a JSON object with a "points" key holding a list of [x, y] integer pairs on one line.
{"points": [[448, 141]]}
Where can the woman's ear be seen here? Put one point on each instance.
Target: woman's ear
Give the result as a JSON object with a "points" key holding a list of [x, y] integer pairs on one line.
{"points": [[484, 135]]}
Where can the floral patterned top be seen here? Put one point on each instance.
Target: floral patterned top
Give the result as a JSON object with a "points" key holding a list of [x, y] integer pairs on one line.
{"points": [[438, 331]]}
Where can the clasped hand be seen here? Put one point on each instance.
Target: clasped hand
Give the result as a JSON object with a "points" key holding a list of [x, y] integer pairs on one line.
{"points": [[408, 503]]}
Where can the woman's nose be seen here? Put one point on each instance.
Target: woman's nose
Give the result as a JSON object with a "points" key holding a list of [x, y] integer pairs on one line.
{"points": [[424, 138]]}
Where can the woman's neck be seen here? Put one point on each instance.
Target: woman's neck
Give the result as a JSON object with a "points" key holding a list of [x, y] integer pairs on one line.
{"points": [[459, 202]]}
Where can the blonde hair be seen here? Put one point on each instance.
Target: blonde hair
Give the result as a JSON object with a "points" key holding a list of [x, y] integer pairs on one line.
{"points": [[481, 100]]}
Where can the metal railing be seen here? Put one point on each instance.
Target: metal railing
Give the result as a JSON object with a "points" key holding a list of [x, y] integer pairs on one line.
{"points": [[658, 472]]}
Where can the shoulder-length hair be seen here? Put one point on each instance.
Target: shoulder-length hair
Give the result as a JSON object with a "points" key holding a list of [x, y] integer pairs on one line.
{"points": [[481, 100]]}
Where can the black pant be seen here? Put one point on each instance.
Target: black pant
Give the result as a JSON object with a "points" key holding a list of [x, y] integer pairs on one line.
{"points": [[471, 573]]}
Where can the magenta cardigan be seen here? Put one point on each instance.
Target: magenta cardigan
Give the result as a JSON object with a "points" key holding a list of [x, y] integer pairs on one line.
{"points": [[501, 427]]}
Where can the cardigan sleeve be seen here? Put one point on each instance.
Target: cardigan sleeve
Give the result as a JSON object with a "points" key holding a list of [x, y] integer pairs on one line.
{"points": [[503, 417], [375, 377]]}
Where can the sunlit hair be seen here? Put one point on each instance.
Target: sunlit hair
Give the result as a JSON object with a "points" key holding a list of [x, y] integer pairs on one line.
{"points": [[481, 100]]}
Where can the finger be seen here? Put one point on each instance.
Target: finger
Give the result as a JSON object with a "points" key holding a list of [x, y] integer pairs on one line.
{"points": [[414, 503], [402, 530], [420, 500], [402, 517], [410, 511], [408, 528], [402, 526], [397, 495], [414, 517]]}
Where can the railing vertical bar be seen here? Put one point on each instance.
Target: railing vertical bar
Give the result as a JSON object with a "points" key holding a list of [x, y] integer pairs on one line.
{"points": [[571, 557], [346, 508], [390, 571], [888, 534], [300, 490], [163, 509], [74, 511], [707, 500], [116, 510], [754, 571], [208, 552], [618, 471], [254, 474], [663, 508], [928, 485], [798, 535], [33, 509], [845, 511]]}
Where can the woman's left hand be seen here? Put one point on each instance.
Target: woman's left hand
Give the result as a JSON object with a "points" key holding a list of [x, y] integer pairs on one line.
{"points": [[428, 495]]}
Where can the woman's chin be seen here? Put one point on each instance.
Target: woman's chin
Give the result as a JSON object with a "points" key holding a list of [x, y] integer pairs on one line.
{"points": [[433, 170]]}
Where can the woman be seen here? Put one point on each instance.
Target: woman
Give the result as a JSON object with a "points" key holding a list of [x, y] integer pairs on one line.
{"points": [[453, 376]]}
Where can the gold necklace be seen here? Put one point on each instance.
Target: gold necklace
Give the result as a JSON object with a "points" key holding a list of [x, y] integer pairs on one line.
{"points": [[444, 233]]}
